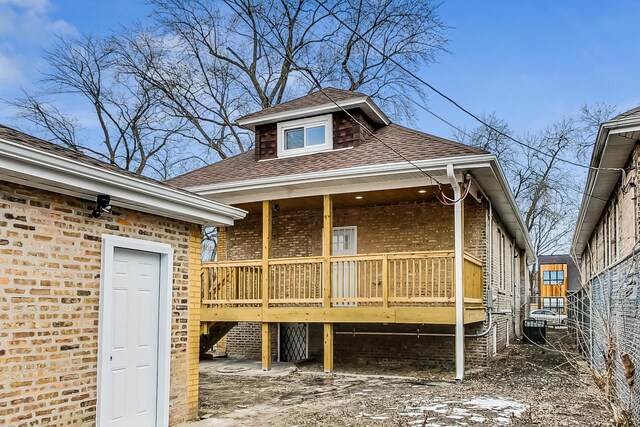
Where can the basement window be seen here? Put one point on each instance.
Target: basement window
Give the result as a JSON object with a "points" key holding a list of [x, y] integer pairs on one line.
{"points": [[305, 136]]}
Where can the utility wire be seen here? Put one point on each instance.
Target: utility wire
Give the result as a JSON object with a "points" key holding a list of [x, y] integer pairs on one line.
{"points": [[308, 74], [451, 100], [426, 109]]}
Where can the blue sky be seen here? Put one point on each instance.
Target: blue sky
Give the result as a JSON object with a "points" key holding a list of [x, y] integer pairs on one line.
{"points": [[529, 62]]}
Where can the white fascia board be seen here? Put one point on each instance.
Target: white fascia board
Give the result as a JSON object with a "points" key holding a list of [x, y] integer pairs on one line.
{"points": [[582, 234], [320, 109], [439, 164], [37, 167]]}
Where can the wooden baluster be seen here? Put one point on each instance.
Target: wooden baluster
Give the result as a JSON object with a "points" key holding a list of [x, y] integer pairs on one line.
{"points": [[385, 281]]}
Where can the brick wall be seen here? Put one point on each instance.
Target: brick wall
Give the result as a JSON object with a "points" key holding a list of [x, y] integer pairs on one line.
{"points": [[50, 259], [422, 226], [618, 228]]}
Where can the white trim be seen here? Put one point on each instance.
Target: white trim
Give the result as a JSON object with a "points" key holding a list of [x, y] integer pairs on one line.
{"points": [[352, 172], [306, 123], [36, 168], [369, 106], [109, 244], [377, 177]]}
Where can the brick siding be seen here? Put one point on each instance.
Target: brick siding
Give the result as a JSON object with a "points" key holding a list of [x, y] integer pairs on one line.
{"points": [[50, 260]]}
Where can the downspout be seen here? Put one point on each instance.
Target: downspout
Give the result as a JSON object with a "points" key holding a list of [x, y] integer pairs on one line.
{"points": [[459, 254]]}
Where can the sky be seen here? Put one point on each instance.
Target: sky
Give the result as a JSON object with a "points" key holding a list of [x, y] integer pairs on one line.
{"points": [[529, 62]]}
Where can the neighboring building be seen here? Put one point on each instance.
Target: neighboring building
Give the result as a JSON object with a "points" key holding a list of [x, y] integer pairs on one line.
{"points": [[99, 315], [557, 278], [607, 248], [346, 251]]}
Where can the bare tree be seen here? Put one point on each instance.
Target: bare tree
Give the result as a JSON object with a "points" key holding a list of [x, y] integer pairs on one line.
{"points": [[128, 114], [546, 187]]}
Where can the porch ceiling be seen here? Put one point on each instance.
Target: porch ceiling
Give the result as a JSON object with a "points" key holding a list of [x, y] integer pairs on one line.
{"points": [[355, 199]]}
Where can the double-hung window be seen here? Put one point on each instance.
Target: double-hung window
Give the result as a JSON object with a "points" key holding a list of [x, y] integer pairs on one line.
{"points": [[305, 136]]}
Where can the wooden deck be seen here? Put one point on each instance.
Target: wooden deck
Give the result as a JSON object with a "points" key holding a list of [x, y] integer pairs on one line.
{"points": [[409, 287]]}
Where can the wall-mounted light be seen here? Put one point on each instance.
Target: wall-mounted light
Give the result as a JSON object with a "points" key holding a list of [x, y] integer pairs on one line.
{"points": [[358, 197], [422, 191], [103, 205]]}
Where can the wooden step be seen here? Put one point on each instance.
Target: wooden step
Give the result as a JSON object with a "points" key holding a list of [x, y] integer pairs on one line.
{"points": [[212, 333]]}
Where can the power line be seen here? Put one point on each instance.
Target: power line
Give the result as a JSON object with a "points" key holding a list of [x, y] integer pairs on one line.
{"points": [[451, 100], [311, 77], [426, 109]]}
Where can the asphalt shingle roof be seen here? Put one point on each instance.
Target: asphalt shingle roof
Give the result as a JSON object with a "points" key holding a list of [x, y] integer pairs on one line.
{"points": [[411, 144], [327, 96], [634, 112], [15, 136]]}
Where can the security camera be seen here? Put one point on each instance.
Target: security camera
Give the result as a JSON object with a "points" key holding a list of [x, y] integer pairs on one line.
{"points": [[103, 206]]}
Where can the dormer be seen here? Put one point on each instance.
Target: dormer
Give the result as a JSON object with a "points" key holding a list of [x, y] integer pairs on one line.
{"points": [[313, 124]]}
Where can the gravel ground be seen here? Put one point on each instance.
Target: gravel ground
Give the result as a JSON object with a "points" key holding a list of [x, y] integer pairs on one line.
{"points": [[525, 386]]}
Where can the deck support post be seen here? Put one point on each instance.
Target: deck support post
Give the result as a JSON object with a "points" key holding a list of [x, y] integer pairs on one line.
{"points": [[266, 251], [327, 232], [266, 347], [458, 271], [266, 254], [328, 348]]}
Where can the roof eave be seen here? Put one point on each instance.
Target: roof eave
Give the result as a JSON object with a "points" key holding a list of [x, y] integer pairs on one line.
{"points": [[36, 168], [264, 187], [373, 111], [581, 234]]}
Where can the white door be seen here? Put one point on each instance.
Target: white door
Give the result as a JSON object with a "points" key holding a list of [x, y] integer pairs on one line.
{"points": [[128, 395], [345, 283]]}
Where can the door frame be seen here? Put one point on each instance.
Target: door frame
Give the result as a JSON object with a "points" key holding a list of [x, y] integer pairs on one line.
{"points": [[109, 245]]}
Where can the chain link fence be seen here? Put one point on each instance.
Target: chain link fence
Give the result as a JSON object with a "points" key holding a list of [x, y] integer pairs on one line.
{"points": [[605, 319]]}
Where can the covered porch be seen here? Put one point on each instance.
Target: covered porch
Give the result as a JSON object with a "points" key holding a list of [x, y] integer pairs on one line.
{"points": [[342, 272]]}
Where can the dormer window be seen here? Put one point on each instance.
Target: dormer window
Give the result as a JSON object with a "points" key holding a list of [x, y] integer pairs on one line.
{"points": [[305, 136]]}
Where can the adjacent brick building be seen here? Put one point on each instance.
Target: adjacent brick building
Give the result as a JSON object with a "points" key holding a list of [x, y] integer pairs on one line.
{"points": [[605, 312], [349, 246], [52, 268]]}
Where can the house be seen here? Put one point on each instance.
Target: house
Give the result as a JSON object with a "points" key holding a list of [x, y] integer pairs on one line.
{"points": [[558, 277], [99, 290], [364, 241], [606, 247]]}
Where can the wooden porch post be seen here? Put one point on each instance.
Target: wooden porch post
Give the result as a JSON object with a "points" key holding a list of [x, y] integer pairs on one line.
{"points": [[266, 347], [328, 348], [327, 227], [327, 244], [266, 254]]}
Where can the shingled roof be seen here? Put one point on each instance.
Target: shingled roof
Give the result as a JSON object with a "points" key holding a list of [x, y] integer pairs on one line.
{"points": [[408, 143], [326, 96], [17, 137], [633, 113]]}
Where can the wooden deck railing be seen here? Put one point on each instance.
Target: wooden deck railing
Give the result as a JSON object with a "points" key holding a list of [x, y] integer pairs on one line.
{"points": [[383, 280]]}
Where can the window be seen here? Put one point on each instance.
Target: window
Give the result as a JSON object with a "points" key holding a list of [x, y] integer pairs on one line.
{"points": [[553, 277], [305, 136]]}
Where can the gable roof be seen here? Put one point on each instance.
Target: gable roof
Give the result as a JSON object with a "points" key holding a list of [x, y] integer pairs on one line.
{"points": [[34, 162], [320, 102], [408, 143], [631, 114]]}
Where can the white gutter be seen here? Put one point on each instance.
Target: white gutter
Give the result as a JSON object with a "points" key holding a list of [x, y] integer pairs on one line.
{"points": [[459, 259], [30, 166], [354, 172]]}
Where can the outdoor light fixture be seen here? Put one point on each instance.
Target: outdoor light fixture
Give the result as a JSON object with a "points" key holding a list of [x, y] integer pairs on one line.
{"points": [[358, 197], [103, 206], [422, 191]]}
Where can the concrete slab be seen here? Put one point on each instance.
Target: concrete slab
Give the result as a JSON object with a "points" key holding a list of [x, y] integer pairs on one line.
{"points": [[250, 368]]}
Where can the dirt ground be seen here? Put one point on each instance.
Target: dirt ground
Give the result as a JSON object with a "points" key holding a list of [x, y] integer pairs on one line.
{"points": [[527, 385]]}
